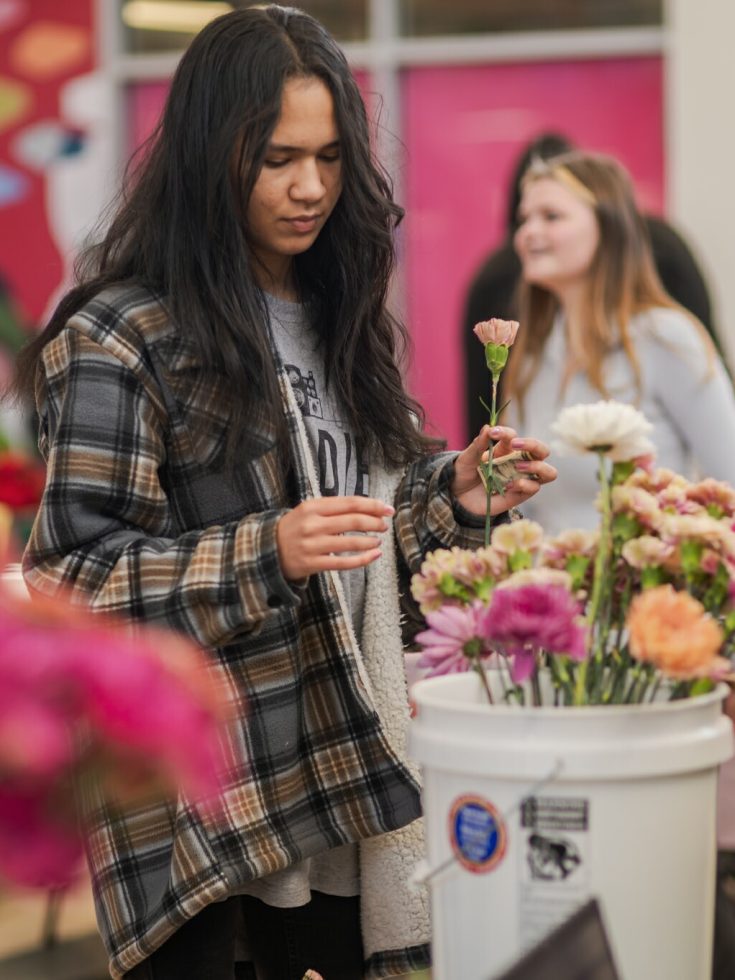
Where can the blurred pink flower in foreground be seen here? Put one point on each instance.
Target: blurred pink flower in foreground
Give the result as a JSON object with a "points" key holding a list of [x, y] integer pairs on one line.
{"points": [[82, 697], [454, 638], [525, 620]]}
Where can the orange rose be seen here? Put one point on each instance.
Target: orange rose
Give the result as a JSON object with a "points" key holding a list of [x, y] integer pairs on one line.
{"points": [[671, 630]]}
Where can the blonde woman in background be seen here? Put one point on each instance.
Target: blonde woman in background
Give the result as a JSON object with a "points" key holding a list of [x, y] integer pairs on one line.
{"points": [[597, 323]]}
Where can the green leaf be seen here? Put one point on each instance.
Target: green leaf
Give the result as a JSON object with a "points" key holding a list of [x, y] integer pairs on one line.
{"points": [[691, 555], [652, 576], [625, 527], [703, 685], [519, 560], [621, 471], [577, 566]]}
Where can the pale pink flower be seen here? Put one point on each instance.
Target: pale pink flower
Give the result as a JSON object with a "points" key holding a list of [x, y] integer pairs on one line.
{"points": [[537, 576], [496, 331], [654, 481], [523, 535], [676, 528], [715, 494], [533, 618], [447, 567], [637, 502], [567, 544], [646, 551], [454, 632]]}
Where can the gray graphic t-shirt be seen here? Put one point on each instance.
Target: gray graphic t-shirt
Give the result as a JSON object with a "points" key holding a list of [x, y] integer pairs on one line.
{"points": [[342, 469], [339, 459]]}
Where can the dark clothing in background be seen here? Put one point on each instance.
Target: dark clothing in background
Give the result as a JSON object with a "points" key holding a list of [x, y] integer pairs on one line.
{"points": [[492, 293]]}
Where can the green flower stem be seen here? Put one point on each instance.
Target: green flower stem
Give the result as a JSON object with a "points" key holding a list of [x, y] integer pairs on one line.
{"points": [[581, 695], [601, 559], [489, 464], [480, 671], [535, 683]]}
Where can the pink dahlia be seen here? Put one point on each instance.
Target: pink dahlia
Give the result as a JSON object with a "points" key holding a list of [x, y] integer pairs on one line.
{"points": [[456, 636], [532, 618]]}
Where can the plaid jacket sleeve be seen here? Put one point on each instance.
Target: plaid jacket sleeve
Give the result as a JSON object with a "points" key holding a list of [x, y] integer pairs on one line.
{"points": [[105, 530]]}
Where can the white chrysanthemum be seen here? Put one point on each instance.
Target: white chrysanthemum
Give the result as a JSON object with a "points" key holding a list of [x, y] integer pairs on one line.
{"points": [[618, 431]]}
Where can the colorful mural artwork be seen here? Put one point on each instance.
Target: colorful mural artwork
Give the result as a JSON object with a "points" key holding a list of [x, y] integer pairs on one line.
{"points": [[44, 45]]}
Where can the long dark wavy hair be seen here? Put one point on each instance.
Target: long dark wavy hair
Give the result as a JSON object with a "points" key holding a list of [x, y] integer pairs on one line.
{"points": [[180, 229]]}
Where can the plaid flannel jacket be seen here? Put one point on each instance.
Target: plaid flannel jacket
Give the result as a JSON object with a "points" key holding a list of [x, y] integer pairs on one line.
{"points": [[139, 519]]}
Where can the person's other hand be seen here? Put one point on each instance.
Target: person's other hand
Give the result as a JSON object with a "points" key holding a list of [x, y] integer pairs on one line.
{"points": [[467, 487], [317, 534]]}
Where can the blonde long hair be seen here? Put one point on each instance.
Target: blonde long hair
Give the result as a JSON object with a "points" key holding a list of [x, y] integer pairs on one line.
{"points": [[622, 278]]}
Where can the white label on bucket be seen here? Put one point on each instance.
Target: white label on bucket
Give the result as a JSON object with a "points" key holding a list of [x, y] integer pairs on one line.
{"points": [[554, 853]]}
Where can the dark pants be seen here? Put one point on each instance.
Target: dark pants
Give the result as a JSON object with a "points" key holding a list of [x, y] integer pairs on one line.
{"points": [[284, 943]]}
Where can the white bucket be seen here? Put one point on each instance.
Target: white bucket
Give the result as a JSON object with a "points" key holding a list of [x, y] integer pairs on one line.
{"points": [[543, 808]]}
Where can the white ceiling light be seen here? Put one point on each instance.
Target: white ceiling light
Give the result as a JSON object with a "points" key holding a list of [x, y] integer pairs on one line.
{"points": [[186, 16]]}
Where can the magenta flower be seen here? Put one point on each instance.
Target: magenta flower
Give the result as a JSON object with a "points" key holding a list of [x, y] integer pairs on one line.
{"points": [[456, 636], [526, 620], [147, 712]]}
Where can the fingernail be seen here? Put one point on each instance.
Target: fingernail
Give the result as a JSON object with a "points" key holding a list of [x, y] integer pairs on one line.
{"points": [[518, 443], [390, 511], [495, 431]]}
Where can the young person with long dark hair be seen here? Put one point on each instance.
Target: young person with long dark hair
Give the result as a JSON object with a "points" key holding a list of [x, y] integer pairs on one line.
{"points": [[232, 453]]}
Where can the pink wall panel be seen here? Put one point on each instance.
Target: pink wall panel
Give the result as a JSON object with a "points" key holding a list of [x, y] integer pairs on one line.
{"points": [[464, 128]]}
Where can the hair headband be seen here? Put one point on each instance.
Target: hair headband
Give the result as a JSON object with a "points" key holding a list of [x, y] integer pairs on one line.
{"points": [[574, 184]]}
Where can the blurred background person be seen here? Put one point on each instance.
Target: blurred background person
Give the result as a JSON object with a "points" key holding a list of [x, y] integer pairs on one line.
{"points": [[493, 290], [597, 323]]}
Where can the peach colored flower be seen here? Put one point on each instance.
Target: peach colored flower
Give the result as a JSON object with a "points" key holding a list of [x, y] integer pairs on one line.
{"points": [[656, 481], [556, 551], [496, 331], [537, 576], [640, 503], [462, 567], [646, 551], [672, 631], [521, 535], [701, 527], [713, 493]]}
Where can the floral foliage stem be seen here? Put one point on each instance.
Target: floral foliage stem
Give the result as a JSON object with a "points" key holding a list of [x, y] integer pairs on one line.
{"points": [[489, 464]]}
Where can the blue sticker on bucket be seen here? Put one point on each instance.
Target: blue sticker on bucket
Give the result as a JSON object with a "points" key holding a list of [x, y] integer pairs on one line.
{"points": [[477, 833]]}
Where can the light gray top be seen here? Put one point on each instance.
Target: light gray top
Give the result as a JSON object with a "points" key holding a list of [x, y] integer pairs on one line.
{"points": [[689, 403], [342, 471]]}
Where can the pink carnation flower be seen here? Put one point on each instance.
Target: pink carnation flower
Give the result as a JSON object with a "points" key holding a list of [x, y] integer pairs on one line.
{"points": [[454, 632], [143, 702], [496, 331], [523, 621]]}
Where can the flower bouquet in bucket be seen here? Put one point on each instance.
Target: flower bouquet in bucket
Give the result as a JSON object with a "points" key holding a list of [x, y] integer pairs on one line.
{"points": [[571, 724], [641, 608]]}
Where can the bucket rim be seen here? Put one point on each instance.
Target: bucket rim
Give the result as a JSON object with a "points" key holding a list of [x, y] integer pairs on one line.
{"points": [[424, 693]]}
